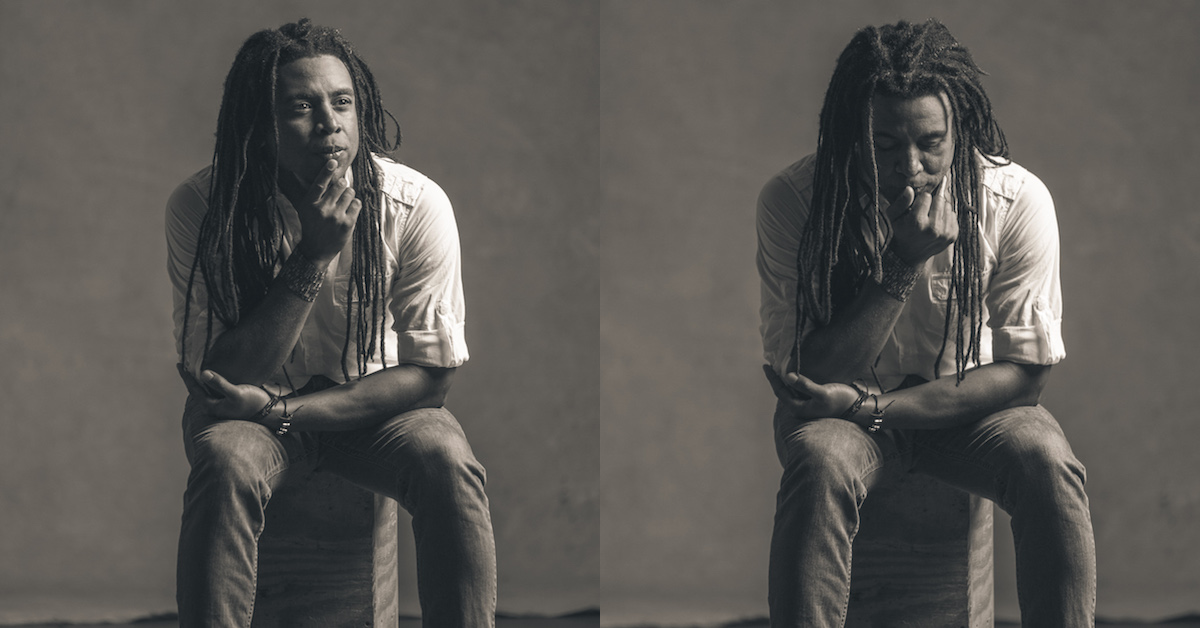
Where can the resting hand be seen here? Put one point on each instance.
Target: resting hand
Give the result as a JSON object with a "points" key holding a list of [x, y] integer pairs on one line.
{"points": [[806, 399], [222, 399]]}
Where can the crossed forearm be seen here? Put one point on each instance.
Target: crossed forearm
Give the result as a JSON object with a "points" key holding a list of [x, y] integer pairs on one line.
{"points": [[946, 402], [848, 346], [253, 350], [367, 401]]}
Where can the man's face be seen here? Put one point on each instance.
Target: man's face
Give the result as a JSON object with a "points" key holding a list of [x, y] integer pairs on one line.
{"points": [[315, 105], [914, 143]]}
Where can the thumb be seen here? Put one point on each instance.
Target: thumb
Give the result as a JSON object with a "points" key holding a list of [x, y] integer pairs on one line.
{"points": [[217, 385], [800, 385], [902, 203], [777, 386]]}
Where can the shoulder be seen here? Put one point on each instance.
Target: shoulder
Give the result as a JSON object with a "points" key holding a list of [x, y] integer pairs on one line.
{"points": [[195, 187], [405, 185], [793, 183], [189, 201], [786, 197], [1013, 183]]}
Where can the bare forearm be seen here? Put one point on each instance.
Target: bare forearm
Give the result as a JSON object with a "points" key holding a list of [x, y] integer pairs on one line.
{"points": [[847, 347], [943, 403], [253, 350], [374, 398]]}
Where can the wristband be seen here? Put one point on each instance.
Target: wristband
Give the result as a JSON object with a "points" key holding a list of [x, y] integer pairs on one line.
{"points": [[266, 410], [862, 396], [301, 276], [899, 277]]}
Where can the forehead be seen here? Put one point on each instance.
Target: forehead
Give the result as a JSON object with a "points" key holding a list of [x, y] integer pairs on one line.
{"points": [[922, 115], [314, 75]]}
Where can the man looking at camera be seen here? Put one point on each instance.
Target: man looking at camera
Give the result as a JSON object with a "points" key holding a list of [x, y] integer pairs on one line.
{"points": [[911, 312], [319, 318]]}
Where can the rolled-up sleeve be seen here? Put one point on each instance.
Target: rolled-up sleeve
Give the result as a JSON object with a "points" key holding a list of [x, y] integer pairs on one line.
{"points": [[185, 212], [1025, 297], [427, 304]]}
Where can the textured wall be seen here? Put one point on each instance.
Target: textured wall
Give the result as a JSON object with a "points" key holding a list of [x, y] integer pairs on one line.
{"points": [[603, 158], [108, 105], [703, 101]]}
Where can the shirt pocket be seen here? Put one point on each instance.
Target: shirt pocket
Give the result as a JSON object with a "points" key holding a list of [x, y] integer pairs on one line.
{"points": [[939, 287]]}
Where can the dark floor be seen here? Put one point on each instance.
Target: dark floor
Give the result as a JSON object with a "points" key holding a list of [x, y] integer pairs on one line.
{"points": [[586, 620], [582, 620], [558, 622]]}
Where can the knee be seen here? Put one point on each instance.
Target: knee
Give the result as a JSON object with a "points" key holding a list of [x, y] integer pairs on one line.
{"points": [[1042, 467], [441, 454], [235, 454], [824, 456]]}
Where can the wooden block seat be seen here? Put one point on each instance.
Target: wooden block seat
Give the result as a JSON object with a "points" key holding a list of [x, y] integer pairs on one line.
{"points": [[922, 558], [327, 556]]}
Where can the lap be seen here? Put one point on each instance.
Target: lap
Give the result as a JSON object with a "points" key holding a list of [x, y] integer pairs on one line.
{"points": [[1009, 446], [411, 442], [977, 457]]}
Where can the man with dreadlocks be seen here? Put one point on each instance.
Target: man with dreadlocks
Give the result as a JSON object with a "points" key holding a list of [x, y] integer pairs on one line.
{"points": [[319, 319], [910, 248]]}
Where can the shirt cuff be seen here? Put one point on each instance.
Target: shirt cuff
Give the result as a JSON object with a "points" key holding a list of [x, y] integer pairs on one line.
{"points": [[1037, 344], [441, 348]]}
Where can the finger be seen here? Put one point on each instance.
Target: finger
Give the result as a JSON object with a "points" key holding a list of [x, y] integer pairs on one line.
{"points": [[193, 387], [920, 207], [800, 385], [352, 211], [777, 386], [901, 204], [346, 200], [324, 178], [217, 385]]}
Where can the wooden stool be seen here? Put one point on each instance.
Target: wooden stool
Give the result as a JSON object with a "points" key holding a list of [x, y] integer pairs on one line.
{"points": [[327, 556], [922, 557]]}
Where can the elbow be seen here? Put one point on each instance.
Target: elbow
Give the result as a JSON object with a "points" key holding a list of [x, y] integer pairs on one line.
{"points": [[1034, 377], [437, 387]]}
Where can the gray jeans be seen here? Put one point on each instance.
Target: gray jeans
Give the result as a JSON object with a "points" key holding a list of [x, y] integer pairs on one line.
{"points": [[1018, 458], [420, 458]]}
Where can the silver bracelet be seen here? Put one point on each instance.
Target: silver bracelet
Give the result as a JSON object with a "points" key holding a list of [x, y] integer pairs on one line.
{"points": [[899, 277], [301, 276], [877, 415]]}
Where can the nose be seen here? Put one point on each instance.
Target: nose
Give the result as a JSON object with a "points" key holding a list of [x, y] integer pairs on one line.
{"points": [[909, 163], [327, 120]]}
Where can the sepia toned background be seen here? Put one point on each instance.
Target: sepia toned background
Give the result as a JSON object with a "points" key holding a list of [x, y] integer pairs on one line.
{"points": [[703, 101], [109, 105], [603, 158]]}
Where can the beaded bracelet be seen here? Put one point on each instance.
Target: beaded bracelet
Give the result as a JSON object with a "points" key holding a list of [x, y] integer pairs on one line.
{"points": [[899, 277], [862, 396], [301, 276], [266, 410]]}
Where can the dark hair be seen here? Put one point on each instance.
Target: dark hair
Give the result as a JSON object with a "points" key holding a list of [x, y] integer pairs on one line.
{"points": [[238, 249], [907, 61]]}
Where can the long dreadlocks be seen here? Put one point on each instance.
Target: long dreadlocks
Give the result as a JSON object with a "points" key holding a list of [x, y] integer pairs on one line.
{"points": [[238, 250], [907, 61]]}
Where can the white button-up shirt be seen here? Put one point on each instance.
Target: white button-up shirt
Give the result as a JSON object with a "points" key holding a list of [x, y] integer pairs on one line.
{"points": [[1022, 295], [425, 310]]}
